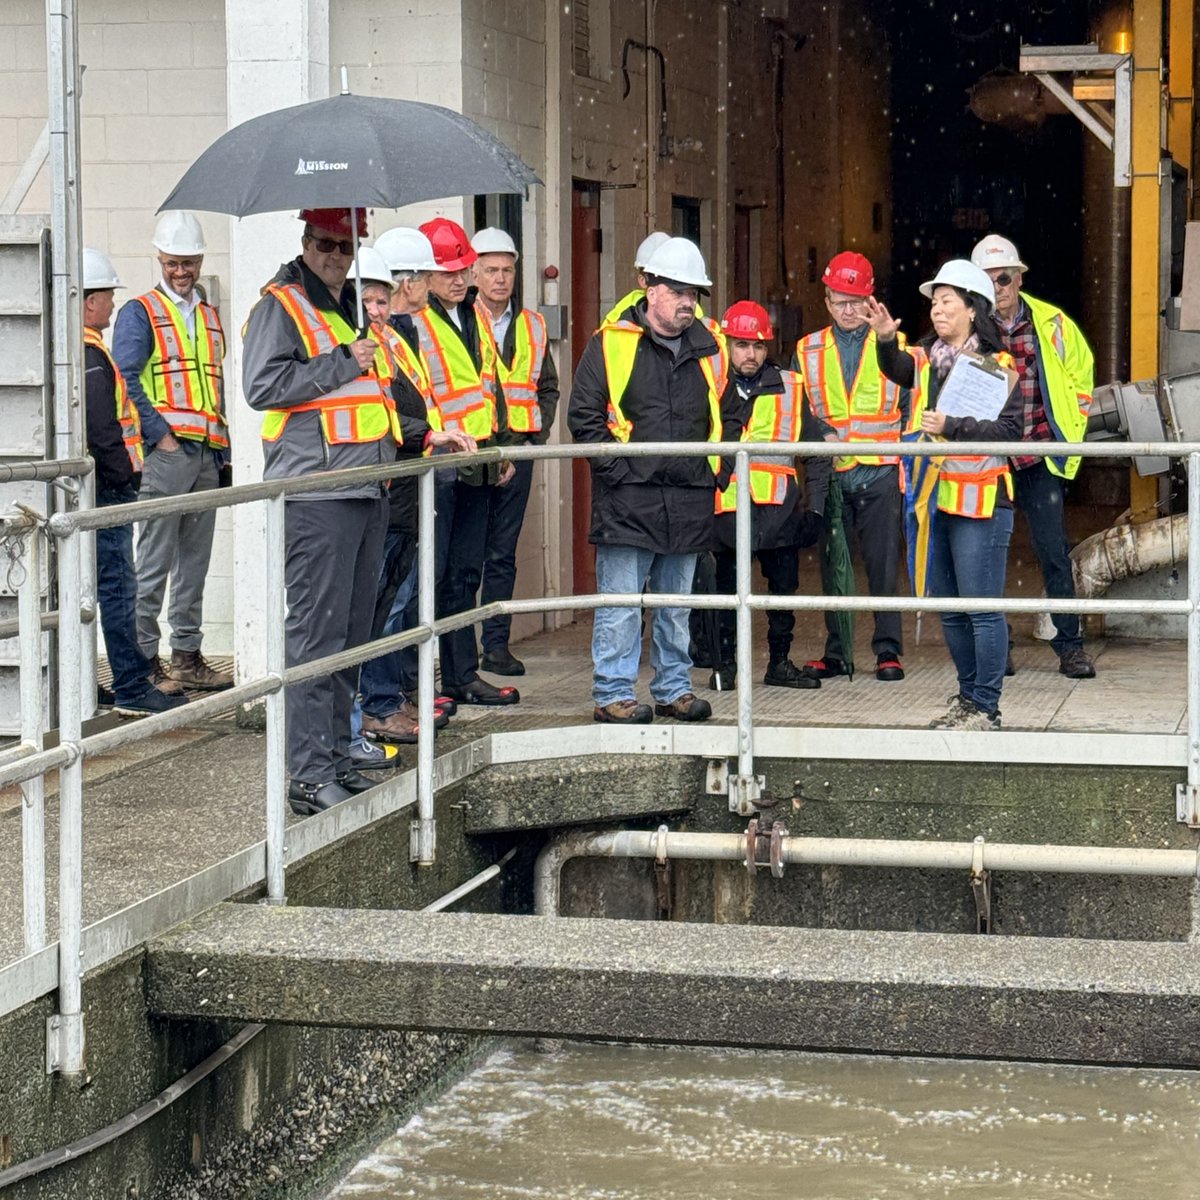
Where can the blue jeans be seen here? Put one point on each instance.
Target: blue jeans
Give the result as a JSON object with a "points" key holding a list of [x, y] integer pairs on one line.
{"points": [[1039, 495], [969, 558], [116, 590], [616, 632]]}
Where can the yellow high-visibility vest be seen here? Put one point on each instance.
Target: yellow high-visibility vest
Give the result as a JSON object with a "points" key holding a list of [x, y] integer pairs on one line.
{"points": [[774, 417], [412, 365], [127, 414], [358, 411], [871, 410], [465, 394], [519, 382], [183, 377]]}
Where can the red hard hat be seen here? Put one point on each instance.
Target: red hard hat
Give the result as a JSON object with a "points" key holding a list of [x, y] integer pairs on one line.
{"points": [[747, 322], [451, 246], [851, 273], [335, 221]]}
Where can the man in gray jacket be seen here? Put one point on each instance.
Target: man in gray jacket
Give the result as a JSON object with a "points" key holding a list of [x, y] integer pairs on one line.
{"points": [[325, 391]]}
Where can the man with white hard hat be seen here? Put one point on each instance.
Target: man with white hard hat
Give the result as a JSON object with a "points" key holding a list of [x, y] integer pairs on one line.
{"points": [[1055, 366], [169, 345], [526, 375], [645, 249], [654, 374], [114, 440]]}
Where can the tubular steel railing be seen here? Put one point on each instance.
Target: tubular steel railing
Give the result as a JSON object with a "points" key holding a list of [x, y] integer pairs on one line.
{"points": [[27, 762]]}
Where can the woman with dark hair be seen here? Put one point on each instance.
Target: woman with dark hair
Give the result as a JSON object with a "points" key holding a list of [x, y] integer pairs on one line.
{"points": [[968, 543]]}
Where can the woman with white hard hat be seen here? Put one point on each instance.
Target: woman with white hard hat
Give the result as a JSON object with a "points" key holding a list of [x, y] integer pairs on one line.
{"points": [[959, 512]]}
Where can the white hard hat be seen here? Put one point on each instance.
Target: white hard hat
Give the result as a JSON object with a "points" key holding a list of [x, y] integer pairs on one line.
{"points": [[406, 249], [994, 252], [370, 267], [179, 233], [679, 261], [494, 241], [960, 273], [648, 247], [98, 272]]}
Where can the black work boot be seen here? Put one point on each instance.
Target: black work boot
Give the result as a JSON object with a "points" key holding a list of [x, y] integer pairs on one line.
{"points": [[782, 672]]}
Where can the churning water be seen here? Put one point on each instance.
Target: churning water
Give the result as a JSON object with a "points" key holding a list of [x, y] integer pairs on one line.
{"points": [[616, 1122]]}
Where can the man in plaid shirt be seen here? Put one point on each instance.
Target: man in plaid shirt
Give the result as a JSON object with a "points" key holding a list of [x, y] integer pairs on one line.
{"points": [[1055, 366]]}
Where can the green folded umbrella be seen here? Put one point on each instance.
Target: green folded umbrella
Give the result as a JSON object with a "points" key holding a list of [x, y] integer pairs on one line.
{"points": [[840, 570]]}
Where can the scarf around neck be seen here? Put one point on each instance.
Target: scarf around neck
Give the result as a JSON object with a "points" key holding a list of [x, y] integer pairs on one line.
{"points": [[942, 355]]}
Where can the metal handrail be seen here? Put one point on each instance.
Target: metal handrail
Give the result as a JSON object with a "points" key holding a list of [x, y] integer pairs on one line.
{"points": [[68, 756]]}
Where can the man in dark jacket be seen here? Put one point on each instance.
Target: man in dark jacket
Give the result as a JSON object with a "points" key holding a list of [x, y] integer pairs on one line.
{"points": [[651, 516], [114, 440], [771, 406]]}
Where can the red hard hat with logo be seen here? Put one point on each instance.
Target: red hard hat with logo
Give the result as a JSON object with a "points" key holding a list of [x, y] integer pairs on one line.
{"points": [[747, 322], [850, 273], [451, 246]]}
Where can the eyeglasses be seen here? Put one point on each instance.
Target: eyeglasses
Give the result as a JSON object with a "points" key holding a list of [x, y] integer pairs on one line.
{"points": [[845, 305], [329, 245], [180, 264], [1003, 279]]}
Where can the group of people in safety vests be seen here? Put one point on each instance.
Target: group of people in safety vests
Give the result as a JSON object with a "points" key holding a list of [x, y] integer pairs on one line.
{"points": [[419, 347], [660, 370]]}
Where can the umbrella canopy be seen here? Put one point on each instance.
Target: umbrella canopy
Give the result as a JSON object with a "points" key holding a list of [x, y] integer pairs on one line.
{"points": [[348, 152], [920, 514], [840, 570]]}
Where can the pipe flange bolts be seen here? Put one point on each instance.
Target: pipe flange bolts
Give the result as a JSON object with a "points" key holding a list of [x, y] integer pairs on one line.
{"points": [[752, 846], [779, 835]]}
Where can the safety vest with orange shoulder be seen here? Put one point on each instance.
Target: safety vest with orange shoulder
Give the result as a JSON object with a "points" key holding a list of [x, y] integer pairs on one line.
{"points": [[183, 376], [412, 365], [465, 394], [126, 411], [868, 412], [358, 411], [774, 417], [519, 381]]}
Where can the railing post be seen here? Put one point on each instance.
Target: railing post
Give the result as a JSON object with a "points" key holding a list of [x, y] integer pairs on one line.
{"points": [[1187, 795], [89, 601], [276, 703], [64, 1030], [423, 835], [745, 788], [33, 791]]}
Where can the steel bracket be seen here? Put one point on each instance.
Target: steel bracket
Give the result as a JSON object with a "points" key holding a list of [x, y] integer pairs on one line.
{"points": [[1187, 805], [422, 842], [981, 889], [745, 792], [64, 1044]]}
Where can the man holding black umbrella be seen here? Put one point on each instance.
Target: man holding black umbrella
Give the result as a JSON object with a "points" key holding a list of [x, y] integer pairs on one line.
{"points": [[324, 390]]}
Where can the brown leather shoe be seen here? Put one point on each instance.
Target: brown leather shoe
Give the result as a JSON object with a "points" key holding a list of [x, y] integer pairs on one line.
{"points": [[191, 669], [409, 710], [159, 678], [688, 707], [397, 728], [623, 712]]}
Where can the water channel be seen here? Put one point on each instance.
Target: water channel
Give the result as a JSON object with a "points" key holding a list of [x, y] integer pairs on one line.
{"points": [[619, 1122]]}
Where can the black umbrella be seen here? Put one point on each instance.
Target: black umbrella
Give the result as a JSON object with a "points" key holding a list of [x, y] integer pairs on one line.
{"points": [[348, 152]]}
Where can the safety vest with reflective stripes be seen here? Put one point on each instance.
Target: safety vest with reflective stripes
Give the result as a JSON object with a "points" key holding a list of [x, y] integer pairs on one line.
{"points": [[871, 411], [774, 417], [182, 377], [618, 344], [127, 413], [358, 411], [519, 382], [465, 394], [1067, 375], [412, 365], [967, 485]]}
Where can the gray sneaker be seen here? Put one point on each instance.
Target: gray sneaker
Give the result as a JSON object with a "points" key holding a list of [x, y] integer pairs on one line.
{"points": [[959, 708], [979, 721]]}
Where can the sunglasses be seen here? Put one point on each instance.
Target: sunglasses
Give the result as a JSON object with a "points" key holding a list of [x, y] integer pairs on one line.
{"points": [[1003, 279], [329, 245]]}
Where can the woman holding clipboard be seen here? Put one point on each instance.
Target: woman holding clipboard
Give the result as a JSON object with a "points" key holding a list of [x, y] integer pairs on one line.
{"points": [[959, 510]]}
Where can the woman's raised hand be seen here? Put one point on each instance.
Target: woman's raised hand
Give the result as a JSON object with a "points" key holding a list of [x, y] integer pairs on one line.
{"points": [[880, 320]]}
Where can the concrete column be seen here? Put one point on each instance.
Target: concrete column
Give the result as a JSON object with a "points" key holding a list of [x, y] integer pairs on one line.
{"points": [[278, 53]]}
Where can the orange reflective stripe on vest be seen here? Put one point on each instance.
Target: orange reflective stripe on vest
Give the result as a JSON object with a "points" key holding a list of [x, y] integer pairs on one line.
{"points": [[128, 417], [774, 417], [183, 377], [358, 411], [464, 393], [519, 381]]}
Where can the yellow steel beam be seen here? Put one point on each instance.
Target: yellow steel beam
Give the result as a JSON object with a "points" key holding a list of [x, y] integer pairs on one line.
{"points": [[1180, 68], [1145, 234]]}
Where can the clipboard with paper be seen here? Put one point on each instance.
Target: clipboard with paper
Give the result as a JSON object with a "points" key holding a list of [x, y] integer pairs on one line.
{"points": [[976, 387]]}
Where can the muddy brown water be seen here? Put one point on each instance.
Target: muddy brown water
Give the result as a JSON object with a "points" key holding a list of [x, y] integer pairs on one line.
{"points": [[594, 1122]]}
